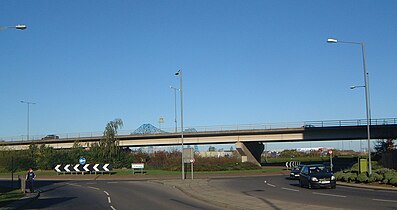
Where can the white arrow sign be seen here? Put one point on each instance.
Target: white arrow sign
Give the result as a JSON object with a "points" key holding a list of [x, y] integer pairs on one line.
{"points": [[76, 167], [96, 167], [86, 167], [57, 168], [67, 168], [105, 167]]}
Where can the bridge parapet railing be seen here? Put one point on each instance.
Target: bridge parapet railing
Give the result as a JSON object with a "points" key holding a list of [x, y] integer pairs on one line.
{"points": [[359, 122]]}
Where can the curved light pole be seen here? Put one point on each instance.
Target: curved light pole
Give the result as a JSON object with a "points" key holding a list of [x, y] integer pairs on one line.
{"points": [[28, 103], [179, 73], [19, 27], [367, 104], [176, 123]]}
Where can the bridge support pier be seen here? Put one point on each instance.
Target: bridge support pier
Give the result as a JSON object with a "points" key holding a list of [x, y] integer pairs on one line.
{"points": [[250, 151]]}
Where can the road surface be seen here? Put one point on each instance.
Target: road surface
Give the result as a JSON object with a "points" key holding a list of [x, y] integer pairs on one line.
{"points": [[112, 195], [278, 188]]}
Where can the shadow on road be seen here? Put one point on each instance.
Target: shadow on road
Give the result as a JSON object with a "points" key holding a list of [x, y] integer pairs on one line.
{"points": [[48, 202]]}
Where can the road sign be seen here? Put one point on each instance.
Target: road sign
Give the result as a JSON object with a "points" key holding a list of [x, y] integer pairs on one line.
{"points": [[137, 165], [58, 169], [330, 152], [82, 160], [187, 155], [83, 168], [291, 164], [86, 169]]}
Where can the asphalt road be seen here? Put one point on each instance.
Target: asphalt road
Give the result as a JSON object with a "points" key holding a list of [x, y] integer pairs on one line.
{"points": [[279, 188], [112, 195]]}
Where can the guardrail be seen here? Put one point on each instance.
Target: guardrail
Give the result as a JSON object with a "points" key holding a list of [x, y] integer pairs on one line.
{"points": [[220, 128], [360, 122]]}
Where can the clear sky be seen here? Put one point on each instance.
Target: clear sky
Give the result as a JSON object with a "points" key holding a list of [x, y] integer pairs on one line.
{"points": [[85, 63]]}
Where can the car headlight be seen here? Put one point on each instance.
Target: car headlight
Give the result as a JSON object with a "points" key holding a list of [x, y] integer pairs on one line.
{"points": [[333, 178], [292, 174], [314, 179]]}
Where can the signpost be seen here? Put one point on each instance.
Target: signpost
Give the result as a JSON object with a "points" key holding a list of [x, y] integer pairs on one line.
{"points": [[188, 157], [330, 158], [82, 160], [363, 165], [139, 166]]}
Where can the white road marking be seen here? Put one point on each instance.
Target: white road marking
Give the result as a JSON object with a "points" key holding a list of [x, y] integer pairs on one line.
{"points": [[112, 208], [109, 200], [271, 185], [93, 188], [106, 193], [383, 200], [295, 190], [326, 194]]}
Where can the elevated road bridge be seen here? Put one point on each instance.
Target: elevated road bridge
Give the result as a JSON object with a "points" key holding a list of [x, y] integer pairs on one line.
{"points": [[249, 141]]}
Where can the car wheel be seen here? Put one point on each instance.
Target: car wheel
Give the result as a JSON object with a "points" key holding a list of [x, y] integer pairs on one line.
{"points": [[300, 183], [333, 187]]}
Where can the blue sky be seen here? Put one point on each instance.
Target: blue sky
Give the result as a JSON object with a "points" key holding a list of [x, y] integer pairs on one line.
{"points": [[244, 62]]}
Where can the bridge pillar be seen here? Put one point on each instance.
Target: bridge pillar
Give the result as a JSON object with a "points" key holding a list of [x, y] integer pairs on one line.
{"points": [[250, 151]]}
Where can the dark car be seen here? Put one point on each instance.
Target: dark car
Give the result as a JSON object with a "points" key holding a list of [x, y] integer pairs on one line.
{"points": [[316, 176], [50, 137], [295, 171]]}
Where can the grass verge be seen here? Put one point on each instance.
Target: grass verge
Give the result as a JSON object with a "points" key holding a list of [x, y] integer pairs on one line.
{"points": [[154, 172]]}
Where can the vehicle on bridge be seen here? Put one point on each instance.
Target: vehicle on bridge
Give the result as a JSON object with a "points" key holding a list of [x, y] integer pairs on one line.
{"points": [[316, 176], [52, 136]]}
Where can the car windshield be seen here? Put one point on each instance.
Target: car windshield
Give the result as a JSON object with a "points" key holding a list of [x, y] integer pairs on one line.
{"points": [[318, 169]]}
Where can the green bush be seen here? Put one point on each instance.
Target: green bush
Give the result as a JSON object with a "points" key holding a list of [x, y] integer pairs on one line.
{"points": [[349, 177], [355, 167], [389, 176], [375, 165], [375, 177], [382, 171], [362, 177], [339, 175], [393, 181]]}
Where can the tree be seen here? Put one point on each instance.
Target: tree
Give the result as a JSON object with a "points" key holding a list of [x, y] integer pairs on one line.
{"points": [[383, 146], [45, 157], [108, 148], [211, 149]]}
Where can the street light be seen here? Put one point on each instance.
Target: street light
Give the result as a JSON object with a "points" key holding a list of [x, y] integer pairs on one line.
{"points": [[367, 104], [176, 123], [28, 103], [19, 27], [179, 73]]}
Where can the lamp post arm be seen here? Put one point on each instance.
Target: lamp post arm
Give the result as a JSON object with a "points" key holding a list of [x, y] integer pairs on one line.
{"points": [[348, 42]]}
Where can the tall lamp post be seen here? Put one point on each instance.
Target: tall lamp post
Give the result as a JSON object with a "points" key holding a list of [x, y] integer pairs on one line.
{"points": [[19, 27], [367, 104], [179, 73], [176, 123], [28, 103]]}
